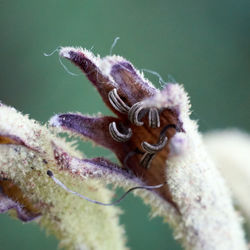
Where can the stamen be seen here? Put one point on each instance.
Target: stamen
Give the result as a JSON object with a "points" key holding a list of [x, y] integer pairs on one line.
{"points": [[118, 136], [58, 182], [117, 102], [154, 148], [134, 112], [154, 118], [146, 159]]}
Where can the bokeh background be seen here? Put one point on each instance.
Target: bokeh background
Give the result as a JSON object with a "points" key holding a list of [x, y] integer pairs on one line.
{"points": [[202, 44]]}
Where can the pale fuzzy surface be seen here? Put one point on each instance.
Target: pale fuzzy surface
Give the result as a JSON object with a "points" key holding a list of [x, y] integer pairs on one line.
{"points": [[208, 219], [78, 224], [64, 52], [178, 144], [173, 96], [29, 131], [230, 149]]}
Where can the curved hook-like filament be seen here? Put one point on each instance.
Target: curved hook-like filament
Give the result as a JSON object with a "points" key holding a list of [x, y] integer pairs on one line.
{"points": [[58, 182], [154, 148], [118, 136], [154, 118], [146, 159], [133, 114], [117, 102]]}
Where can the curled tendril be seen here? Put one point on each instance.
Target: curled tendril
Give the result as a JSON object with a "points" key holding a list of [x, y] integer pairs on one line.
{"points": [[58, 182]]}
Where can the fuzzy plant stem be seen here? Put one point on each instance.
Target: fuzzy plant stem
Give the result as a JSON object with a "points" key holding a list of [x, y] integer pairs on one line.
{"points": [[208, 218]]}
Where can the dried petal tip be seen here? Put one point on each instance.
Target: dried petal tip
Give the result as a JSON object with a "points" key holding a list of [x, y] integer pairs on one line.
{"points": [[65, 51], [55, 121], [71, 52]]}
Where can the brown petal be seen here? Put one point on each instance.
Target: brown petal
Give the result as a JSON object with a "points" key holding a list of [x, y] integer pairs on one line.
{"points": [[132, 86], [93, 128], [10, 139], [109, 73], [11, 197], [88, 64]]}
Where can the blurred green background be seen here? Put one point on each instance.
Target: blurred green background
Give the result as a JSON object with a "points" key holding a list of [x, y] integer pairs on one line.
{"points": [[202, 44]]}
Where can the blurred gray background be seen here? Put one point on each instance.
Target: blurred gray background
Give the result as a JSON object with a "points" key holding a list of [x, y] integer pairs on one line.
{"points": [[202, 44]]}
